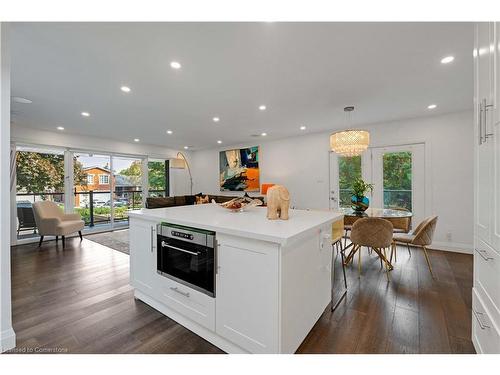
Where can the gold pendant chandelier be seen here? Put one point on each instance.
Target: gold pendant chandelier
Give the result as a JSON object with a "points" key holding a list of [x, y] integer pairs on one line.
{"points": [[350, 142]]}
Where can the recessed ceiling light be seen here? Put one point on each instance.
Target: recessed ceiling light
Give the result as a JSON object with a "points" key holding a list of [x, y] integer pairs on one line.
{"points": [[60, 128], [18, 99], [447, 59], [125, 88], [175, 65], [85, 114], [216, 119], [263, 134], [303, 127], [136, 139], [432, 106], [186, 147], [169, 131], [219, 142], [262, 107]]}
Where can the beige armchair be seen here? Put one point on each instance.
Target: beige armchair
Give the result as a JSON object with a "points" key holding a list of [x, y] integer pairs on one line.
{"points": [[52, 221]]}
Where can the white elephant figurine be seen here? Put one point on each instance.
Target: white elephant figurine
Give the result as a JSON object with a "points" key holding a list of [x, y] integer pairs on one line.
{"points": [[278, 202]]}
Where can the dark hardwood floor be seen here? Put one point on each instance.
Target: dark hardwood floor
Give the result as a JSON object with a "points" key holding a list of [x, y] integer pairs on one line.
{"points": [[78, 300]]}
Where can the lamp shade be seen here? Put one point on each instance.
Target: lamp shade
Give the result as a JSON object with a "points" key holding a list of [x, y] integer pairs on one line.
{"points": [[177, 163], [350, 142], [265, 187]]}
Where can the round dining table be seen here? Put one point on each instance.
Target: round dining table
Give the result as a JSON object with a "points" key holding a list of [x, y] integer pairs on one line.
{"points": [[384, 213]]}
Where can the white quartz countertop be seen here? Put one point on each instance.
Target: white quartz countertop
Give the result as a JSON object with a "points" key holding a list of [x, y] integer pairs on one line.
{"points": [[250, 224]]}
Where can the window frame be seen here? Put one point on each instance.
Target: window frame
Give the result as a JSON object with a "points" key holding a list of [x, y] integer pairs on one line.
{"points": [[101, 178]]}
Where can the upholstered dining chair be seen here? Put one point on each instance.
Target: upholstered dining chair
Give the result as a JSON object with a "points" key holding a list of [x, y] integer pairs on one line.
{"points": [[401, 225], [52, 221], [375, 233], [420, 237]]}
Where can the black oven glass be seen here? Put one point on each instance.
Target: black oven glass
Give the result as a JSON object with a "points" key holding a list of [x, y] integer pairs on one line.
{"points": [[187, 263]]}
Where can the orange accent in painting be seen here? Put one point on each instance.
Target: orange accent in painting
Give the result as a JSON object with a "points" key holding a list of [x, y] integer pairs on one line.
{"points": [[253, 179]]}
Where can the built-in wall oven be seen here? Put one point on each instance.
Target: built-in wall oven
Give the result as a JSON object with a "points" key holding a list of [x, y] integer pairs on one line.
{"points": [[187, 255]]}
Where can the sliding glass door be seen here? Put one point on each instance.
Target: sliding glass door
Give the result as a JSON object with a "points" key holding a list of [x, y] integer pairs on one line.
{"points": [[39, 177], [100, 187], [127, 191], [92, 189]]}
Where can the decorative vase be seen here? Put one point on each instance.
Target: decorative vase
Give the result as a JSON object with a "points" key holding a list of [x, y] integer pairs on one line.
{"points": [[359, 204]]}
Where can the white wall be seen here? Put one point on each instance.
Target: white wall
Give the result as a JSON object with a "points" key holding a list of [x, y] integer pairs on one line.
{"points": [[301, 164], [7, 335]]}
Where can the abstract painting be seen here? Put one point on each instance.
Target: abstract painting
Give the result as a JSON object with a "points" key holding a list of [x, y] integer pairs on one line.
{"points": [[239, 169]]}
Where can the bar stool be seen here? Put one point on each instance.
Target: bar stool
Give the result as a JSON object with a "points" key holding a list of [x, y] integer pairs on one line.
{"points": [[336, 239]]}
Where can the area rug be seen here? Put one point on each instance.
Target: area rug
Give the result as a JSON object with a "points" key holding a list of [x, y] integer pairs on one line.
{"points": [[117, 240]]}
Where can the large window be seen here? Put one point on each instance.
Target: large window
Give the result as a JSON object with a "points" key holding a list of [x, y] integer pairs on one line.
{"points": [[104, 187], [397, 177], [349, 170], [158, 178], [39, 177]]}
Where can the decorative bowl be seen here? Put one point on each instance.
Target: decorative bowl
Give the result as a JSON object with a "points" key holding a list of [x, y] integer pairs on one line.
{"points": [[239, 204]]}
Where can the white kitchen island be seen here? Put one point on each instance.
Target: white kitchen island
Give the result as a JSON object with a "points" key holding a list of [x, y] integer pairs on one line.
{"points": [[272, 279]]}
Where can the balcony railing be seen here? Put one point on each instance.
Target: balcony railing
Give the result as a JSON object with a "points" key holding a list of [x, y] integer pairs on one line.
{"points": [[93, 206]]}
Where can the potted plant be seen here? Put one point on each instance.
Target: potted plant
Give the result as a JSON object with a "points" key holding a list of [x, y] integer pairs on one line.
{"points": [[359, 202]]}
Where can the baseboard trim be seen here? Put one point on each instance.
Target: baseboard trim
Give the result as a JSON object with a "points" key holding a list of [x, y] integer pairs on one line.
{"points": [[452, 247], [7, 340]]}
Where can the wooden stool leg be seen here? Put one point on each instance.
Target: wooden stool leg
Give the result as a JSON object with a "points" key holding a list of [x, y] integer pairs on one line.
{"points": [[428, 260], [350, 257], [343, 266]]}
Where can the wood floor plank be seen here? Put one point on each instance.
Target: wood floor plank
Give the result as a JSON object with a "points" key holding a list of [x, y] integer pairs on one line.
{"points": [[78, 300]]}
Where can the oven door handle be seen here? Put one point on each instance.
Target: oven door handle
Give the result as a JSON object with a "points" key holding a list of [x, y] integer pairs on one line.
{"points": [[164, 244]]}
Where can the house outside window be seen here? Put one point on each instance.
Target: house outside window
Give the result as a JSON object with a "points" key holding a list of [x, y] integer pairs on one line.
{"points": [[103, 179]]}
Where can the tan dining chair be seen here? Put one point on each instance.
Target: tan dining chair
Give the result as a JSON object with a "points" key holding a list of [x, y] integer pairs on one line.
{"points": [[375, 233], [420, 237], [401, 224], [52, 221]]}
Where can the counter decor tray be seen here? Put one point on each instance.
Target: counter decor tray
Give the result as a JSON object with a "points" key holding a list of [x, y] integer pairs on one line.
{"points": [[239, 204]]}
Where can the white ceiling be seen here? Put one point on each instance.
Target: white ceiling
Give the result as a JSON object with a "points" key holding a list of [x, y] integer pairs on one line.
{"points": [[305, 73]]}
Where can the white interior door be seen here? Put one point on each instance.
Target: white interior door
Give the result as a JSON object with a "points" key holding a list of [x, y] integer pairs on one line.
{"points": [[398, 176]]}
